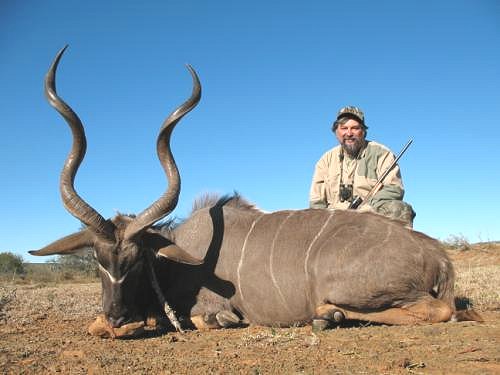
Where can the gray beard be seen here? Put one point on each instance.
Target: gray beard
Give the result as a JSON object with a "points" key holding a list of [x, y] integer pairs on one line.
{"points": [[353, 150]]}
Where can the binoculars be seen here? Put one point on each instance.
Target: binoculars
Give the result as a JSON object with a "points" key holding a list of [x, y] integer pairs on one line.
{"points": [[345, 192]]}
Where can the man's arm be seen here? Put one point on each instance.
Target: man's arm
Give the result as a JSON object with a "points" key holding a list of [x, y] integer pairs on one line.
{"points": [[317, 193], [392, 188]]}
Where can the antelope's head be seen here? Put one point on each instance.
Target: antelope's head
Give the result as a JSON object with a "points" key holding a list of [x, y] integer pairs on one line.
{"points": [[123, 246]]}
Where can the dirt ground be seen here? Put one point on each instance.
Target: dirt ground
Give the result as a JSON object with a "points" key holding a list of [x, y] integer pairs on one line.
{"points": [[43, 330]]}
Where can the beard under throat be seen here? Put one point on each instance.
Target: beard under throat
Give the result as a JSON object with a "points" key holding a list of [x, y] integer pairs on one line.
{"points": [[353, 149]]}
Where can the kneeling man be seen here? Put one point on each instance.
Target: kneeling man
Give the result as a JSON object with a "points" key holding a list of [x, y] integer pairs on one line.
{"points": [[352, 169]]}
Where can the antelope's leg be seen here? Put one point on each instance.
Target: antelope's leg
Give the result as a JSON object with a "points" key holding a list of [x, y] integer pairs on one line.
{"points": [[325, 316], [431, 310], [221, 319], [426, 310], [330, 313], [204, 322]]}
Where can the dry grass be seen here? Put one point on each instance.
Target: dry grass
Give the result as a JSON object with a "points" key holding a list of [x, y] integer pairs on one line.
{"points": [[7, 295], [480, 285], [47, 274], [477, 271], [270, 337]]}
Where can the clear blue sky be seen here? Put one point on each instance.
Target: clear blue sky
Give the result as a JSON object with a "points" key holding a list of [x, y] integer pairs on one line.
{"points": [[274, 74]]}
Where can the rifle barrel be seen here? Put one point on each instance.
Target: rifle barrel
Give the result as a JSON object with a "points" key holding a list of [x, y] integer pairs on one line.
{"points": [[384, 175], [359, 201]]}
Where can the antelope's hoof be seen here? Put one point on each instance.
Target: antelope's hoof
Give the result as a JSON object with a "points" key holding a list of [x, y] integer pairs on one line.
{"points": [[320, 324], [338, 316], [227, 319]]}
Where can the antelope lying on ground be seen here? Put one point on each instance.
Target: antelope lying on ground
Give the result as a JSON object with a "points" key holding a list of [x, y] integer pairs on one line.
{"points": [[230, 261]]}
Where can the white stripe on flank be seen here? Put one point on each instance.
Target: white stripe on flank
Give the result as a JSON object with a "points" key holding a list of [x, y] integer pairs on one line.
{"points": [[308, 252], [240, 264], [111, 278], [283, 300]]}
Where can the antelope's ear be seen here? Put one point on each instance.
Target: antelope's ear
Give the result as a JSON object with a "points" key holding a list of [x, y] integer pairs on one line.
{"points": [[67, 245], [175, 253]]}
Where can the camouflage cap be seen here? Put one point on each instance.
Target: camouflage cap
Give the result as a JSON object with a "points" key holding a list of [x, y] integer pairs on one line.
{"points": [[352, 111]]}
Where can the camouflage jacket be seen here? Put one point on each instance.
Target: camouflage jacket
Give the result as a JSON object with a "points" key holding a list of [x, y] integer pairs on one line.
{"points": [[362, 173]]}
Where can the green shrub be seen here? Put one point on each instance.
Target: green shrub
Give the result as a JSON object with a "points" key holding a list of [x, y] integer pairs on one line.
{"points": [[72, 265], [11, 264], [64, 268]]}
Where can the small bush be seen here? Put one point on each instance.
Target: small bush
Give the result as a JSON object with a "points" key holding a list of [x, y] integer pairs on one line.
{"points": [[82, 264], [11, 264], [457, 242]]}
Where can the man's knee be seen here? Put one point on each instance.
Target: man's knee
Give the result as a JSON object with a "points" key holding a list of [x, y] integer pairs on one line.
{"points": [[397, 210]]}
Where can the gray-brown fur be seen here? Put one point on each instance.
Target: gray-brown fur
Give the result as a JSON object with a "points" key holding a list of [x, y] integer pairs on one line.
{"points": [[271, 268], [282, 265]]}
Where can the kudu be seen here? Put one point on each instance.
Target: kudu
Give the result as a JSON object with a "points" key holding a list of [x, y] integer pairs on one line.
{"points": [[229, 259]]}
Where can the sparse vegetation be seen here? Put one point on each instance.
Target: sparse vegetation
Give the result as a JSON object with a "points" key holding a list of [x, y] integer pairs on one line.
{"points": [[477, 274], [457, 242], [82, 264], [64, 268], [11, 264], [479, 285], [6, 296]]}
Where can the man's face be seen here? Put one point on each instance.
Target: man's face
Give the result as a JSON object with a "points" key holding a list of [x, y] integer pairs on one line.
{"points": [[351, 136]]}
